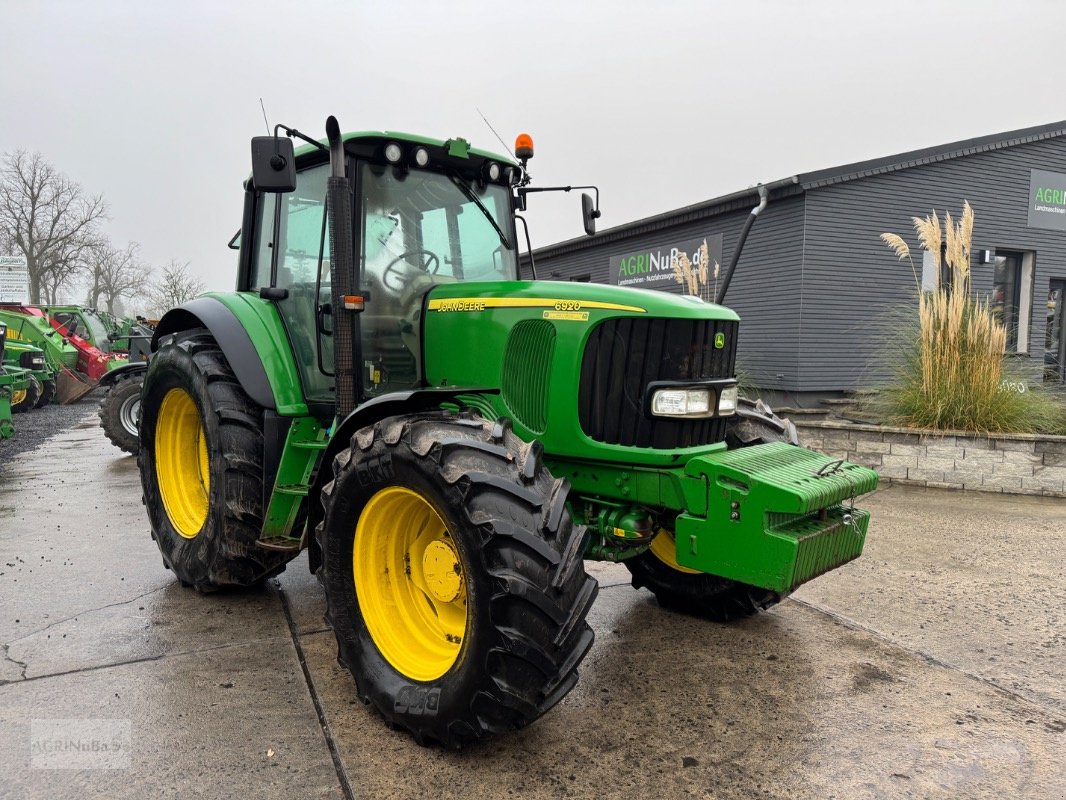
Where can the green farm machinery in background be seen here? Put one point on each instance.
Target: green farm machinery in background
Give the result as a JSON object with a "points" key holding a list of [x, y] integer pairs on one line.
{"points": [[84, 349], [8, 387], [24, 357], [77, 363], [127, 343], [120, 407], [450, 443]]}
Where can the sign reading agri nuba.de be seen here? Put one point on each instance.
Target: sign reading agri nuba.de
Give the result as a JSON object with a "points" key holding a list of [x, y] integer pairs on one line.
{"points": [[14, 280], [1047, 200], [653, 267]]}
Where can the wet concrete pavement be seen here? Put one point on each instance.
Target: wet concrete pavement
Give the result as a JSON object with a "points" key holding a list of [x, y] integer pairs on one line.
{"points": [[935, 666]]}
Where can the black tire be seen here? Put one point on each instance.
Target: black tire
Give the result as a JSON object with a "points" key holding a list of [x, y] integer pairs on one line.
{"points": [[526, 591], [698, 593], [119, 411], [48, 393], [32, 396], [223, 553]]}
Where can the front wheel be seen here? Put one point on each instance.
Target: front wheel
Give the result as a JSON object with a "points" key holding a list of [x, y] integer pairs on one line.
{"points": [[27, 400], [454, 576], [690, 591]]}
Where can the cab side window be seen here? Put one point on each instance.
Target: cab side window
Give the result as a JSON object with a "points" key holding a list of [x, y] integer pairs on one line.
{"points": [[301, 241], [263, 246]]}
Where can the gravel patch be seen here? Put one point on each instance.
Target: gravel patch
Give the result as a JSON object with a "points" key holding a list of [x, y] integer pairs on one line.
{"points": [[33, 428]]}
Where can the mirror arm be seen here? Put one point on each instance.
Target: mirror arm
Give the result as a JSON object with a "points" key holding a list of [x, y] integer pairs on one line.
{"points": [[522, 191], [293, 132]]}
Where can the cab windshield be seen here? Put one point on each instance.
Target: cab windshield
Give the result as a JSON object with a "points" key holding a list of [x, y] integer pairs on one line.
{"points": [[421, 224]]}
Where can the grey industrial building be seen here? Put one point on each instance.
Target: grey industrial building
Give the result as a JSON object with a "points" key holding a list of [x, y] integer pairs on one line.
{"points": [[816, 288]]}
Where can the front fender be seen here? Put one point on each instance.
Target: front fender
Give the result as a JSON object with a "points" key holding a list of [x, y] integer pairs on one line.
{"points": [[388, 405], [126, 370]]}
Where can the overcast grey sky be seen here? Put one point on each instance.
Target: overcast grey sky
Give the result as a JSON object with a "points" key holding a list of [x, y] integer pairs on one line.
{"points": [[661, 104]]}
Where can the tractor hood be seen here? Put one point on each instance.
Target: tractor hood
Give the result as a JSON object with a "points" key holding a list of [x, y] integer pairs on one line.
{"points": [[573, 361], [590, 302]]}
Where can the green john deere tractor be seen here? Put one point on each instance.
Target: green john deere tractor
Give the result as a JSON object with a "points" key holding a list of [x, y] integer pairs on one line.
{"points": [[7, 389], [19, 355], [450, 442]]}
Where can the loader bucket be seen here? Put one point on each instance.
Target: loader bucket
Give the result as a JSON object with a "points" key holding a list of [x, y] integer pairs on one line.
{"points": [[70, 386]]}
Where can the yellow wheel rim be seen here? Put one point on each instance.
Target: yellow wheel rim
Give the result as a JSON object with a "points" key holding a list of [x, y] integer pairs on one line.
{"points": [[18, 396], [664, 548], [409, 583], [182, 466]]}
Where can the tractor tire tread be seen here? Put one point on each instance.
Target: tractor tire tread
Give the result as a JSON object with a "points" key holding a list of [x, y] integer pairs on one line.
{"points": [[534, 634], [229, 556], [110, 411]]}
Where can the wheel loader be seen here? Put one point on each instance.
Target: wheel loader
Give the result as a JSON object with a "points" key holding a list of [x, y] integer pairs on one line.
{"points": [[391, 388]]}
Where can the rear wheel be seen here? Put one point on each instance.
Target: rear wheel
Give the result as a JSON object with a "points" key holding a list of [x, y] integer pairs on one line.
{"points": [[454, 577], [201, 463], [690, 591], [119, 412]]}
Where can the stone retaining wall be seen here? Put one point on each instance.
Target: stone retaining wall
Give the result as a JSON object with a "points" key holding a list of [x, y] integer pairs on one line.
{"points": [[1012, 463]]}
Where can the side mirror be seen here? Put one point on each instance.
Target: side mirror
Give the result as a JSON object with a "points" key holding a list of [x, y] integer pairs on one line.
{"points": [[589, 214], [273, 164]]}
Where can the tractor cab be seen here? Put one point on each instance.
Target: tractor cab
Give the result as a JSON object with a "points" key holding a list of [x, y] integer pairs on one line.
{"points": [[425, 212]]}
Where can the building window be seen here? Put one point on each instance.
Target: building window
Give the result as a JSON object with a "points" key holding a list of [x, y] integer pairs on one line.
{"points": [[1011, 298]]}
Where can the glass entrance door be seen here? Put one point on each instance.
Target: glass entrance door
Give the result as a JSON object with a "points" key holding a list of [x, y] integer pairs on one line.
{"points": [[1055, 340]]}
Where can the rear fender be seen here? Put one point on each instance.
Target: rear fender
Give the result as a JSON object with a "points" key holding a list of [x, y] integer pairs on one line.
{"points": [[252, 339]]}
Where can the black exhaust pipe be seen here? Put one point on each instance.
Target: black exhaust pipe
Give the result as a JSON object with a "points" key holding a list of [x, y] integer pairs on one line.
{"points": [[347, 353]]}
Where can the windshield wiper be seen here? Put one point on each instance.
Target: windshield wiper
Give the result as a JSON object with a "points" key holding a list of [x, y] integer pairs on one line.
{"points": [[464, 187]]}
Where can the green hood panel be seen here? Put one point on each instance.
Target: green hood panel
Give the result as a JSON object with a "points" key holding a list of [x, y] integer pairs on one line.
{"points": [[528, 339]]}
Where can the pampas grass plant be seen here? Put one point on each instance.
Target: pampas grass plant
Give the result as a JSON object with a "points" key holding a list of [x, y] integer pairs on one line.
{"points": [[954, 377], [696, 280]]}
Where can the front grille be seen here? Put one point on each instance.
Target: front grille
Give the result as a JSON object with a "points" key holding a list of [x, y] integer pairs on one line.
{"points": [[624, 355]]}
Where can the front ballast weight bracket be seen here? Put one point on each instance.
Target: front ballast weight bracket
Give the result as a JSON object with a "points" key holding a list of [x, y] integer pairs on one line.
{"points": [[777, 515]]}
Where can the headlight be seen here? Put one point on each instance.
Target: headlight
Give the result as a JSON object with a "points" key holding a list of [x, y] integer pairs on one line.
{"points": [[421, 156], [393, 153], [727, 401], [700, 401], [682, 403], [31, 360]]}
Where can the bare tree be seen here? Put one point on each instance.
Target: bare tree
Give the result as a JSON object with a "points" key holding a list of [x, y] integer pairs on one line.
{"points": [[114, 273], [172, 288], [49, 218]]}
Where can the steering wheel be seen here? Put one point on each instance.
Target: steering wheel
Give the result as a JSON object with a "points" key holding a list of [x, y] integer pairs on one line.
{"points": [[428, 263]]}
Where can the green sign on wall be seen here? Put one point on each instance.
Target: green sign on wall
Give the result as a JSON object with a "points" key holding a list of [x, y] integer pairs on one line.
{"points": [[1047, 200], [655, 267]]}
